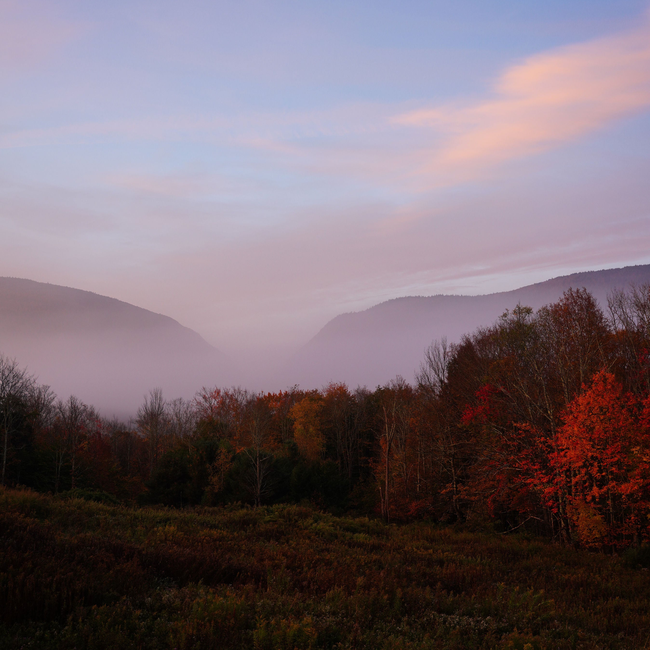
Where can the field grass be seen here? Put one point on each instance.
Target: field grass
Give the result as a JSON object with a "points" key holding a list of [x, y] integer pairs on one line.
{"points": [[80, 574]]}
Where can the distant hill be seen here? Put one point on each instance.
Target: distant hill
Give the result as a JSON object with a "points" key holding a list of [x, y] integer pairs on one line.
{"points": [[371, 347], [105, 351]]}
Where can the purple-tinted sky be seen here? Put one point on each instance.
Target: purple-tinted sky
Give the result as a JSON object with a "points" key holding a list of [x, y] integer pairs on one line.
{"points": [[254, 168]]}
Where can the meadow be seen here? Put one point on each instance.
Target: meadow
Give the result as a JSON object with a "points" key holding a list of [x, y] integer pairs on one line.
{"points": [[81, 574]]}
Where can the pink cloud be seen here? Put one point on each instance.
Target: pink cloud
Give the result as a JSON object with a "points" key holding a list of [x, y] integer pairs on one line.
{"points": [[547, 100]]}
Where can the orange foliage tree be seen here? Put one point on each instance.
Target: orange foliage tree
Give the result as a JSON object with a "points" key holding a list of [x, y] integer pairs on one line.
{"points": [[308, 433], [280, 405], [602, 463]]}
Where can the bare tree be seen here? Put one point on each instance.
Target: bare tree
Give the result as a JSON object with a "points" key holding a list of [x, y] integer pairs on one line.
{"points": [[73, 419], [394, 423], [220, 410], [576, 331], [630, 317], [256, 440], [182, 418], [16, 386], [42, 406], [152, 422], [125, 443], [433, 370]]}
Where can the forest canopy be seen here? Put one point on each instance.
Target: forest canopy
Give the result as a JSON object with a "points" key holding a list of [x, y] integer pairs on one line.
{"points": [[541, 421]]}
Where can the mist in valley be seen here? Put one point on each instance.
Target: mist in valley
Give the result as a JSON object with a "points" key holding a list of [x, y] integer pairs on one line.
{"points": [[305, 193], [111, 354]]}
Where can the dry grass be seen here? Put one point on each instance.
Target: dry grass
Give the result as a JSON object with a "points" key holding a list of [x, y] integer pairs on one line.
{"points": [[77, 574]]}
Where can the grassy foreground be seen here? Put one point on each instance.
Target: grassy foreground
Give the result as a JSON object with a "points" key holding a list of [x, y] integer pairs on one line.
{"points": [[80, 574]]}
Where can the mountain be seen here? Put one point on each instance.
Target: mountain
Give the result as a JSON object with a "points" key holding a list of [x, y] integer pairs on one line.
{"points": [[373, 346], [105, 351]]}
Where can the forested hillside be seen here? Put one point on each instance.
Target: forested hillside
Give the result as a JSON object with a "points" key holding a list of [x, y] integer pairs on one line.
{"points": [[370, 347], [540, 422]]}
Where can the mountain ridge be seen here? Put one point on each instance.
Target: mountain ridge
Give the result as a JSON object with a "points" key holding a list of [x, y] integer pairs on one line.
{"points": [[106, 351], [567, 281], [110, 352], [371, 346]]}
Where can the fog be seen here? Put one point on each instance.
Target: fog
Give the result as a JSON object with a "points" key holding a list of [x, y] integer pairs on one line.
{"points": [[256, 184], [372, 346], [111, 354], [106, 352]]}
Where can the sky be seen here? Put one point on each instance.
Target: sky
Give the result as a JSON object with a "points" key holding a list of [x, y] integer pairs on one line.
{"points": [[254, 168]]}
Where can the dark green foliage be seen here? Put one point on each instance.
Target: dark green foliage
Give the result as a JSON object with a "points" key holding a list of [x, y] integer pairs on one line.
{"points": [[171, 480], [238, 483], [21, 462], [320, 483], [637, 556], [281, 473], [182, 476]]}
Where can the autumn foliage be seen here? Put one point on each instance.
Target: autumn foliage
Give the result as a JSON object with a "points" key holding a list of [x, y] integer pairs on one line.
{"points": [[602, 464], [540, 422], [278, 522]]}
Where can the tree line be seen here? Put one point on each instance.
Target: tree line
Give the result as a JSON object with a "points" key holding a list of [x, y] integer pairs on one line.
{"points": [[540, 421]]}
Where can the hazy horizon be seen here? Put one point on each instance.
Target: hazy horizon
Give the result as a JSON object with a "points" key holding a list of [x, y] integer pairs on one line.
{"points": [[254, 170], [111, 354], [267, 360]]}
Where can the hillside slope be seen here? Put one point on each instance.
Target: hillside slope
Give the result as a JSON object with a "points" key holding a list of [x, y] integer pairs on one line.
{"points": [[105, 351], [373, 346]]}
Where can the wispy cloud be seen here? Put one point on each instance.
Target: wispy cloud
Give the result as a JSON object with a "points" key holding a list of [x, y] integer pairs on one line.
{"points": [[549, 99], [538, 104], [152, 128]]}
